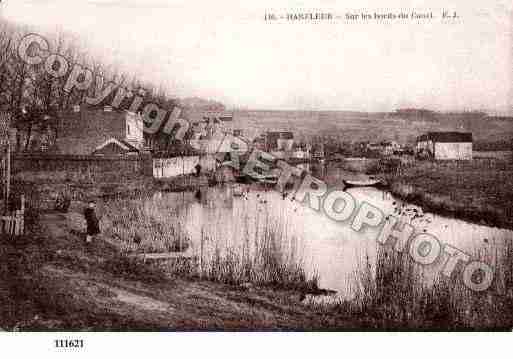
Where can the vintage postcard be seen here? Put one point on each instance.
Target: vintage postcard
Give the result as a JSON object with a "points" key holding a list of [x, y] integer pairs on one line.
{"points": [[178, 166]]}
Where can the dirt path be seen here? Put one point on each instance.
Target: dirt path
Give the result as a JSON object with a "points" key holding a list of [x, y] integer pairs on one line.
{"points": [[62, 284]]}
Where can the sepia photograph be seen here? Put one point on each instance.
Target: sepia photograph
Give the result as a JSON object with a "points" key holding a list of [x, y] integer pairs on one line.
{"points": [[288, 166]]}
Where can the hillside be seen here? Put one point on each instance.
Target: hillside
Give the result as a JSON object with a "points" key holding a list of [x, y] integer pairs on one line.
{"points": [[199, 104], [363, 126]]}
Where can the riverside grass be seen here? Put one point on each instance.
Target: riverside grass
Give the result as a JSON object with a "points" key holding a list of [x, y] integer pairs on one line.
{"points": [[480, 191], [394, 294], [144, 226], [390, 291], [266, 256]]}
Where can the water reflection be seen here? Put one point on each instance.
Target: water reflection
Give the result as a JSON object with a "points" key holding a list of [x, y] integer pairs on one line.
{"points": [[332, 250]]}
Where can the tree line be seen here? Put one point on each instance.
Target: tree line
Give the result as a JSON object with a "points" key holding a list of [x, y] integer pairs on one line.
{"points": [[33, 99]]}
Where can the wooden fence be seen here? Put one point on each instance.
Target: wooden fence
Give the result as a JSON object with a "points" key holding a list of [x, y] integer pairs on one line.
{"points": [[14, 224]]}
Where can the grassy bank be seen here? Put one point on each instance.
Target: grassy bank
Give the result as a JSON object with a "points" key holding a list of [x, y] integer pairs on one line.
{"points": [[157, 225], [396, 295], [42, 188], [52, 281], [187, 182], [480, 191], [143, 225], [391, 293]]}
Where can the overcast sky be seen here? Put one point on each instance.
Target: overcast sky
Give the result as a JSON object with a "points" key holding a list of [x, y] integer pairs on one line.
{"points": [[227, 52]]}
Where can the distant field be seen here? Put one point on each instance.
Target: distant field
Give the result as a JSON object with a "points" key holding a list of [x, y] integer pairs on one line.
{"points": [[362, 126], [480, 191], [501, 155]]}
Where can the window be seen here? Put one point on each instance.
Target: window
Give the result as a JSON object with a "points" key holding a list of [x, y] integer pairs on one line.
{"points": [[128, 129]]}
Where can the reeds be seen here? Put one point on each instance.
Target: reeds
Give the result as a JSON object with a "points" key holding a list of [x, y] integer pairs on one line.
{"points": [[266, 259], [144, 226], [390, 290], [394, 294], [262, 253]]}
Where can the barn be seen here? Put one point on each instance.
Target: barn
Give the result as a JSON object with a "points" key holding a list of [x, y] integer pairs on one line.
{"points": [[446, 145]]}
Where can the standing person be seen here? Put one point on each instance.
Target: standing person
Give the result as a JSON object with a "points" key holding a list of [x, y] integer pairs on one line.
{"points": [[197, 195], [93, 224], [198, 169]]}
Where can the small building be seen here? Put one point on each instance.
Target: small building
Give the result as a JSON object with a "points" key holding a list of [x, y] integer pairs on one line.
{"points": [[86, 131], [169, 167], [220, 143], [278, 141], [386, 148], [445, 145], [280, 144], [301, 153], [214, 122], [113, 147], [373, 146]]}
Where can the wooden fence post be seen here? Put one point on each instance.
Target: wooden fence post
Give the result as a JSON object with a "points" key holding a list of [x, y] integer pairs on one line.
{"points": [[8, 176], [22, 215]]}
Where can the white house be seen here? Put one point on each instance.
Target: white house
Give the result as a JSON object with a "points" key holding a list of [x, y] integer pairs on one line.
{"points": [[222, 143], [134, 129], [446, 145], [179, 166]]}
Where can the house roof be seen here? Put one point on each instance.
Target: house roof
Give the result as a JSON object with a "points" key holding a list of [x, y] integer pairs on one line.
{"points": [[446, 137], [81, 132], [131, 148], [127, 147], [272, 137]]}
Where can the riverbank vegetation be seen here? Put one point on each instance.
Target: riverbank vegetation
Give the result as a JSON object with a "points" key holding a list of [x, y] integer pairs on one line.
{"points": [[395, 293], [144, 226], [52, 281], [480, 191], [265, 256], [389, 292]]}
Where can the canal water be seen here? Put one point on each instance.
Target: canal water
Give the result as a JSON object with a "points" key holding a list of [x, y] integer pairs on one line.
{"points": [[221, 219]]}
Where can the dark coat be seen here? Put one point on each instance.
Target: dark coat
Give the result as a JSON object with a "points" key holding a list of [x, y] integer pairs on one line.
{"points": [[198, 169], [93, 224]]}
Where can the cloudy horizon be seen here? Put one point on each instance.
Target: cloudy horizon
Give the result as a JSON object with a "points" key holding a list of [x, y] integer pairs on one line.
{"points": [[228, 53]]}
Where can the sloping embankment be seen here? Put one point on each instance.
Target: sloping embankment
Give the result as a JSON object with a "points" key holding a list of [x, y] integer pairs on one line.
{"points": [[476, 191], [52, 281]]}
